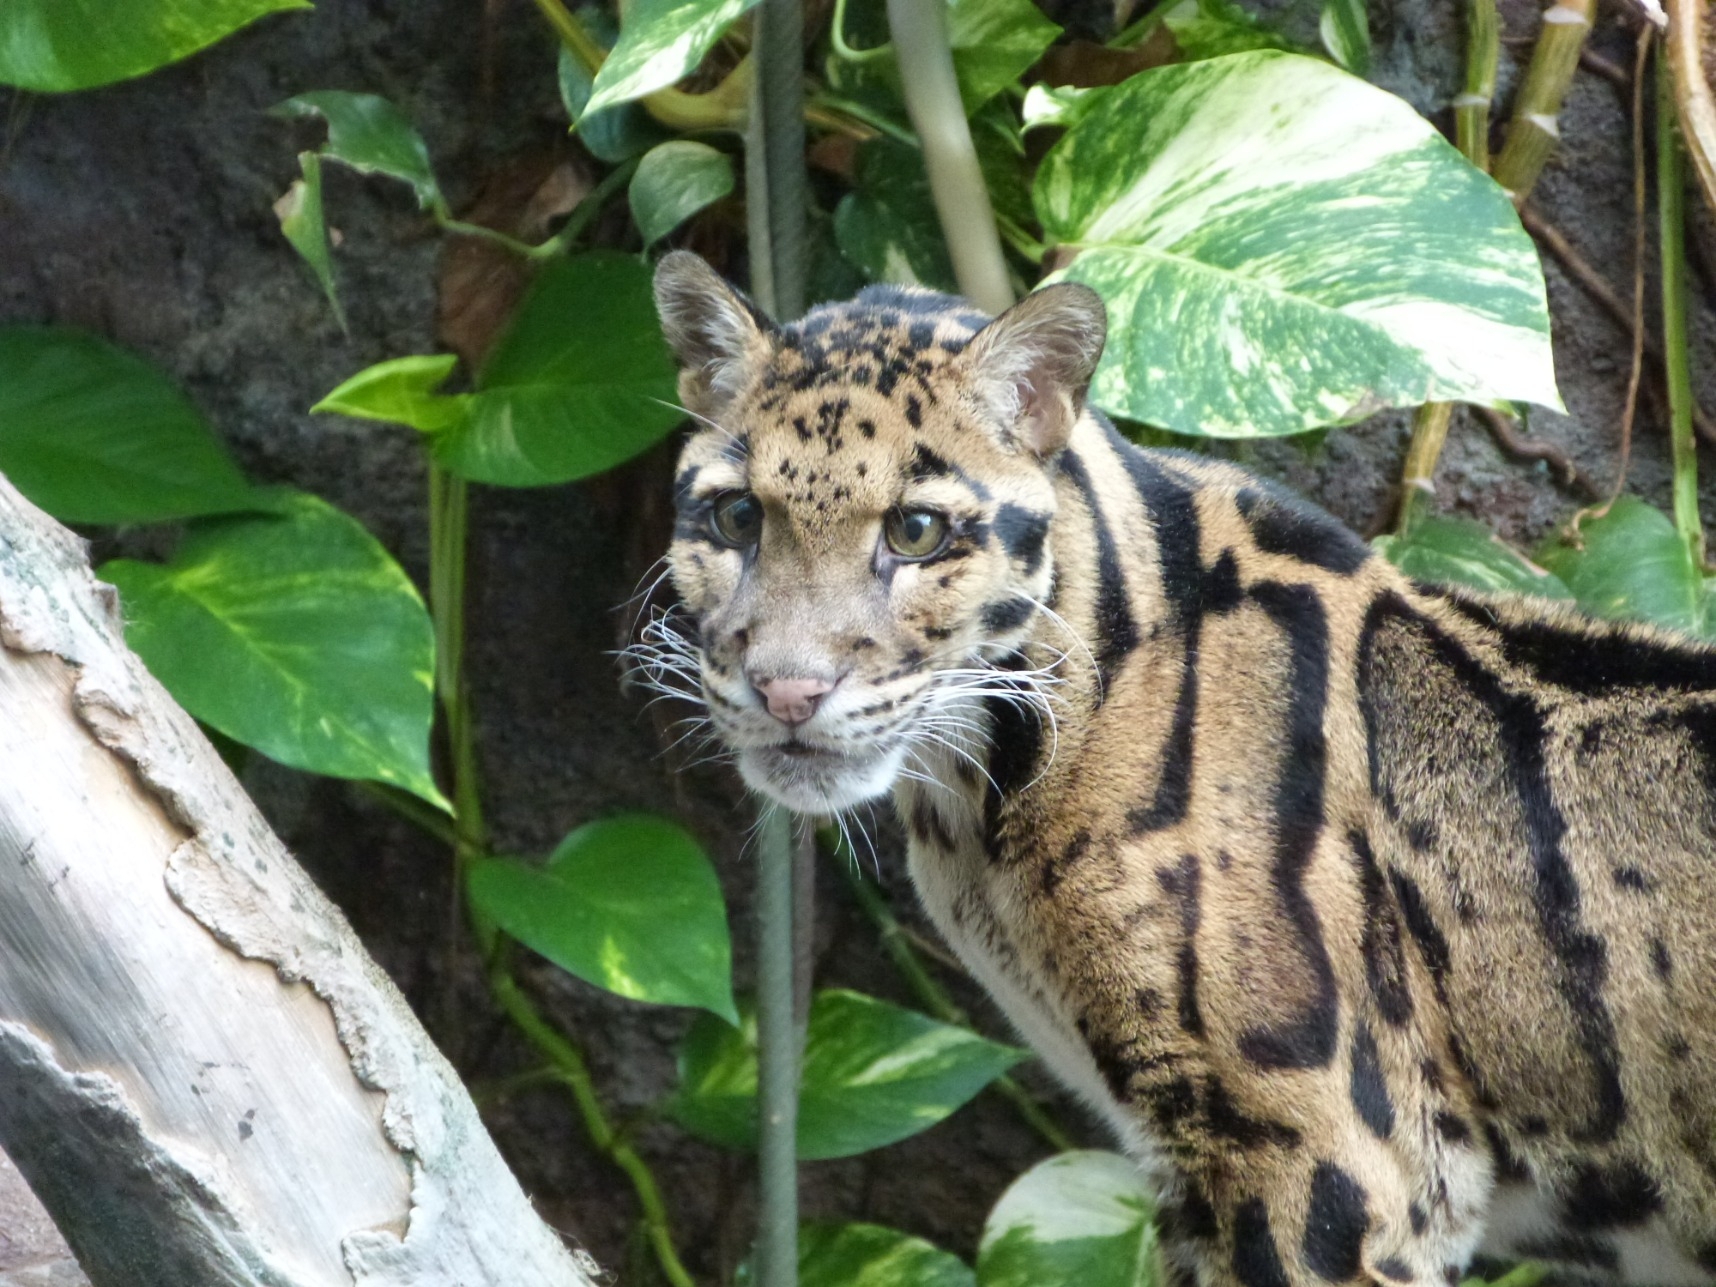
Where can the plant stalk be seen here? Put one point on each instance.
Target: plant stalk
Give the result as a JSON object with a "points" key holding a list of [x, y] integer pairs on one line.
{"points": [[572, 1072], [449, 525], [778, 1050], [1535, 128], [775, 199], [931, 91], [1671, 228], [1472, 104]]}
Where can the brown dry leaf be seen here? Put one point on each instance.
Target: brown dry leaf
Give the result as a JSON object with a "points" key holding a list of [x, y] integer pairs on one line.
{"points": [[481, 283], [1084, 63]]}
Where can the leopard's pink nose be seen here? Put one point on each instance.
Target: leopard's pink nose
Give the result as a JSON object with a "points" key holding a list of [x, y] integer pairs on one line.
{"points": [[792, 701]]}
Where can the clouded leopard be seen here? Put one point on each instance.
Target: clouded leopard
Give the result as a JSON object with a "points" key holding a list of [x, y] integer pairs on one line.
{"points": [[1378, 918]]}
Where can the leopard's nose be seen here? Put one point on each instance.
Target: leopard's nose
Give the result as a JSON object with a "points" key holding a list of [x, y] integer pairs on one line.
{"points": [[792, 701]]}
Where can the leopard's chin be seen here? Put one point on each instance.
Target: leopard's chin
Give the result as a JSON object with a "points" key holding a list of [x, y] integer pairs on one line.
{"points": [[819, 780]]}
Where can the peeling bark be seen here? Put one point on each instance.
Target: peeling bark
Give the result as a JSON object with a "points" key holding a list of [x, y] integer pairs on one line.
{"points": [[203, 1076]]}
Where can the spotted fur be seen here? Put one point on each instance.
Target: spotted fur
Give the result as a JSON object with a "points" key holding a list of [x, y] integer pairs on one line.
{"points": [[1376, 918]]}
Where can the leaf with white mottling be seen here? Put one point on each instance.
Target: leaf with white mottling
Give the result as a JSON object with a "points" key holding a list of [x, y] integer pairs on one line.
{"points": [[1345, 29], [660, 41], [1283, 246], [1082, 1217], [873, 1074], [1212, 28], [1062, 105], [868, 1255]]}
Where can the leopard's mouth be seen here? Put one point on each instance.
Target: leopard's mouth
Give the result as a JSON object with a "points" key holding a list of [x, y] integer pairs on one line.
{"points": [[813, 778]]}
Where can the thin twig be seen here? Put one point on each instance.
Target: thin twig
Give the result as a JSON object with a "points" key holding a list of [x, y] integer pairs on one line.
{"points": [[1522, 447], [1635, 373], [1671, 243], [1597, 286]]}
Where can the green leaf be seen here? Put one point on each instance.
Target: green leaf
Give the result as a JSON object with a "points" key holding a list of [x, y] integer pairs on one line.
{"points": [[1632, 566], [296, 634], [993, 43], [1459, 551], [873, 1074], [613, 135], [370, 135], [1058, 105], [1081, 1217], [94, 434], [1283, 246], [581, 381], [54, 45], [300, 215], [400, 392], [1345, 29], [674, 181], [1211, 28], [660, 41], [630, 904], [868, 1255], [887, 226]]}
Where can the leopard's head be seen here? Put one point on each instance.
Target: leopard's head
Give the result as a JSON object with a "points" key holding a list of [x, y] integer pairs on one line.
{"points": [[864, 517]]}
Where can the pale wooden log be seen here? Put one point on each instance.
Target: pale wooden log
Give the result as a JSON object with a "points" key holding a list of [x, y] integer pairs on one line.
{"points": [[203, 1076]]}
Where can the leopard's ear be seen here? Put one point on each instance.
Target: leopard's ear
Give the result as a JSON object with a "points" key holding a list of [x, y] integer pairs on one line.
{"points": [[716, 332], [1031, 367]]}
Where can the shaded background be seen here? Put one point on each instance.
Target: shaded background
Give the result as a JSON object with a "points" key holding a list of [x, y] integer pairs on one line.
{"points": [[142, 212]]}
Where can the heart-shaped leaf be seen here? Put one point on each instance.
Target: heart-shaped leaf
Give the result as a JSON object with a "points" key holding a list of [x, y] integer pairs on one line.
{"points": [[369, 134], [1632, 565], [630, 904], [94, 434], [1459, 551], [581, 381], [613, 134], [873, 1074], [868, 1255], [1082, 1217], [295, 633], [400, 391], [53, 45], [660, 41], [673, 182], [1283, 246]]}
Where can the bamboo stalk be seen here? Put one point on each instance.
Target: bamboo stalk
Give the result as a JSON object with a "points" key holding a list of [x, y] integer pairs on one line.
{"points": [[1535, 126], [1472, 105]]}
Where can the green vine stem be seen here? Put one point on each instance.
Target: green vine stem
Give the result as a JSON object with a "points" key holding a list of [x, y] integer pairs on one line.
{"points": [[933, 997], [1671, 217], [837, 38], [1472, 104], [449, 524], [571, 1071], [1534, 128], [1418, 474], [931, 91]]}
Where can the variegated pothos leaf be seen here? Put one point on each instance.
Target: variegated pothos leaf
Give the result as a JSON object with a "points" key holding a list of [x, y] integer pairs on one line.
{"points": [[1283, 246]]}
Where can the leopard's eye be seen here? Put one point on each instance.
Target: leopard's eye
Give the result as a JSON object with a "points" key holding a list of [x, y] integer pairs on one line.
{"points": [[915, 533], [737, 518]]}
